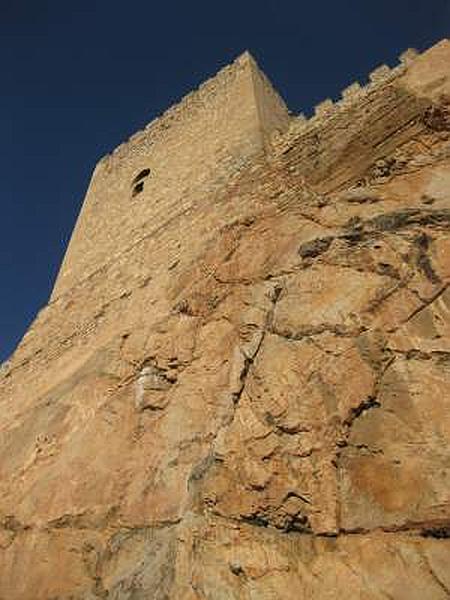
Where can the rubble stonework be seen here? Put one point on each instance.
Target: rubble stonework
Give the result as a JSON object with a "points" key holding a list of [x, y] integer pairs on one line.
{"points": [[239, 387]]}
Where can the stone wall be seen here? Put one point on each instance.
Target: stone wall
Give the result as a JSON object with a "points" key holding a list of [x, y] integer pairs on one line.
{"points": [[343, 139], [247, 396], [191, 151]]}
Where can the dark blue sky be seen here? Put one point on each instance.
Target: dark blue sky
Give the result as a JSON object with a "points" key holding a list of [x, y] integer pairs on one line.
{"points": [[80, 77]]}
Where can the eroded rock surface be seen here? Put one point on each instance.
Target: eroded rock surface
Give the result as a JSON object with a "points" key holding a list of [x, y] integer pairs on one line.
{"points": [[263, 411]]}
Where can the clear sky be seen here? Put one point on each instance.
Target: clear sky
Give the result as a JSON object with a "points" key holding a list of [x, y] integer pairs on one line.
{"points": [[79, 77]]}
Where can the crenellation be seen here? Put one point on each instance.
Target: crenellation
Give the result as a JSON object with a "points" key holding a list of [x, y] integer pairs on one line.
{"points": [[408, 56], [365, 107], [352, 91], [324, 107], [216, 377], [380, 74], [352, 95], [140, 144]]}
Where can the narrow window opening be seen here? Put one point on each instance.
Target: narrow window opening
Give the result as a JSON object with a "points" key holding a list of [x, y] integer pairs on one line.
{"points": [[137, 185], [142, 175], [138, 188]]}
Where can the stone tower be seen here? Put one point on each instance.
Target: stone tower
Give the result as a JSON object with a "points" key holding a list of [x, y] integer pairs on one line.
{"points": [[172, 167], [239, 387]]}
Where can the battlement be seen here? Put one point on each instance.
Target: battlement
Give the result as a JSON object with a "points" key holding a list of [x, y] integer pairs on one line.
{"points": [[353, 93], [182, 158], [247, 345], [345, 137], [356, 91]]}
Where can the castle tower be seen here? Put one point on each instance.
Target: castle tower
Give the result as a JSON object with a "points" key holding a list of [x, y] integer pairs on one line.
{"points": [[174, 165], [239, 388]]}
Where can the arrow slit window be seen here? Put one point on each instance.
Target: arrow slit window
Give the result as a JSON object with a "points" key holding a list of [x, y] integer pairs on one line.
{"points": [[137, 185]]}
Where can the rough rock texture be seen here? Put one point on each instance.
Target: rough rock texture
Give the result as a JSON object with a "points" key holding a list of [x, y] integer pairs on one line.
{"points": [[248, 396]]}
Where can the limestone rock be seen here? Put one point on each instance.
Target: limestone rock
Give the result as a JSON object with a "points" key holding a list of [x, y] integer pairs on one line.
{"points": [[240, 387]]}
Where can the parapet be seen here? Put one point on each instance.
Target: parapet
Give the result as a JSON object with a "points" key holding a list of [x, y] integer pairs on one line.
{"points": [[355, 92]]}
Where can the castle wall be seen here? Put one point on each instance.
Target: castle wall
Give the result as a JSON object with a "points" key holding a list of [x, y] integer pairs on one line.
{"points": [[190, 151], [234, 394], [122, 244], [342, 140]]}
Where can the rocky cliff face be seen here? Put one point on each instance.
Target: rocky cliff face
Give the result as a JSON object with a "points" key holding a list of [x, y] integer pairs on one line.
{"points": [[267, 414]]}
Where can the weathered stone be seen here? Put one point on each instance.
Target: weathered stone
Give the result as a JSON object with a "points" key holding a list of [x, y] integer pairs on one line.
{"points": [[240, 386], [398, 448]]}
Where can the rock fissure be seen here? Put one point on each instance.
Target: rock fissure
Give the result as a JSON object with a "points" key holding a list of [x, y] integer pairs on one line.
{"points": [[435, 576], [239, 386], [426, 303]]}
